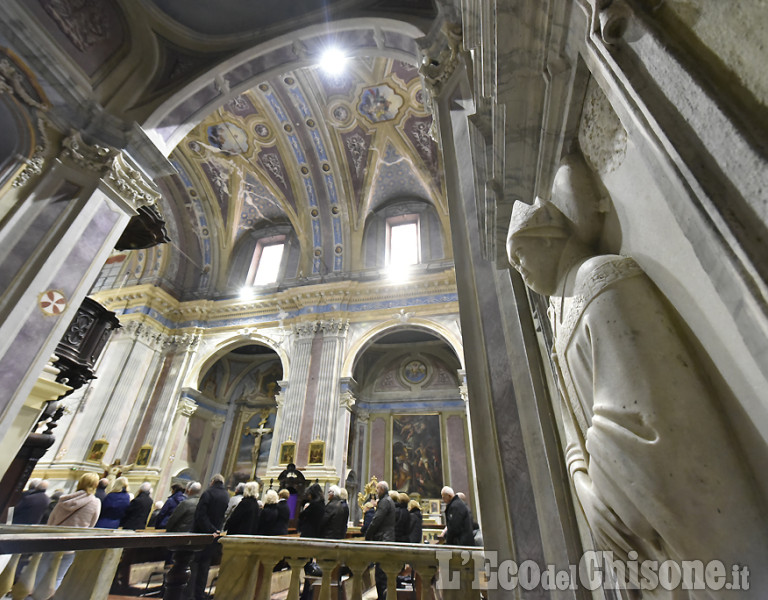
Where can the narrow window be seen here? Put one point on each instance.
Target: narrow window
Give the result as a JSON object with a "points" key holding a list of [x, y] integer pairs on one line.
{"points": [[402, 241], [267, 260]]}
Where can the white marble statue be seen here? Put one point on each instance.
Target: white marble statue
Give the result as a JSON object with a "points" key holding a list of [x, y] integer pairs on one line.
{"points": [[653, 462]]}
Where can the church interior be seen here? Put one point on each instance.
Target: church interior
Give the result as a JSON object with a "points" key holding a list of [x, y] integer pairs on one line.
{"points": [[240, 235]]}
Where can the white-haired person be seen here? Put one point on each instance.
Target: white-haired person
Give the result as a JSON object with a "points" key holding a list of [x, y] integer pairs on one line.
{"points": [[334, 525], [269, 519], [137, 513], [245, 518]]}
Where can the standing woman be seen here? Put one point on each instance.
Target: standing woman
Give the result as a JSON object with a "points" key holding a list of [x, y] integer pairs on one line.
{"points": [[416, 522], [245, 518], [311, 516], [115, 505], [269, 521], [80, 509]]}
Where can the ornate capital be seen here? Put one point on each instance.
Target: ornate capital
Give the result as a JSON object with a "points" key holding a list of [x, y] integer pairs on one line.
{"points": [[132, 185], [217, 422], [280, 399], [91, 157], [186, 407], [143, 331], [305, 330], [464, 393], [334, 326], [363, 416], [440, 55], [347, 400]]}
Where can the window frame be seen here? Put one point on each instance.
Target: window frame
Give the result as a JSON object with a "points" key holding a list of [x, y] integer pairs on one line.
{"points": [[272, 240], [395, 221]]}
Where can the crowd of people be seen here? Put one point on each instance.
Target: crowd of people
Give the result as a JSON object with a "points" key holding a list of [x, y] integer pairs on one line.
{"points": [[390, 517]]}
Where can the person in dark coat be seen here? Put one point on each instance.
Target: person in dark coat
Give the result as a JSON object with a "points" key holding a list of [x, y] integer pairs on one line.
{"points": [[209, 518], [137, 513], [244, 519], [402, 518], [311, 516], [114, 506], [183, 516], [177, 497], [101, 489], [458, 521], [269, 519], [416, 522], [32, 506], [283, 512], [335, 517], [369, 509], [382, 529]]}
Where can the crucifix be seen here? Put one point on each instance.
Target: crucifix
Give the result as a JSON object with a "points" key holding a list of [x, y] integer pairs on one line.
{"points": [[257, 433]]}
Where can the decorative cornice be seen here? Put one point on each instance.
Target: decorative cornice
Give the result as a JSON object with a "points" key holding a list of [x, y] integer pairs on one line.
{"points": [[339, 303]]}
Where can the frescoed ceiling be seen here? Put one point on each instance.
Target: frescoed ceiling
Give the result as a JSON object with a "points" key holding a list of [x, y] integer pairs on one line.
{"points": [[316, 151]]}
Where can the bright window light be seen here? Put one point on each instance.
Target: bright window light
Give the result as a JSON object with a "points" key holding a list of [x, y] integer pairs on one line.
{"points": [[403, 244], [333, 61], [269, 264]]}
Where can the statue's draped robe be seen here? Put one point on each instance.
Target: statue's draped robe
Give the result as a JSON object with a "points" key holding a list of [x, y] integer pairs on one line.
{"points": [[644, 423]]}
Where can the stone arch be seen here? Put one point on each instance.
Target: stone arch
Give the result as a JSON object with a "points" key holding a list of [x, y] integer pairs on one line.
{"points": [[175, 117], [200, 368], [442, 332]]}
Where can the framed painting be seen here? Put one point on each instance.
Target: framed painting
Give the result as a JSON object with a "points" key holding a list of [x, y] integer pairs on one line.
{"points": [[287, 452], [417, 457], [97, 451], [143, 456], [316, 453]]}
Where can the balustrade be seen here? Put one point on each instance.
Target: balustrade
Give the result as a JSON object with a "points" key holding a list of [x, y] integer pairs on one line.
{"points": [[439, 572]]}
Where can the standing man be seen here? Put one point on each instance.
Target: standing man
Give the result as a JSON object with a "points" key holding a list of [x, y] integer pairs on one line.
{"points": [[382, 529], [33, 504], [336, 515], [209, 518], [183, 516], [458, 521], [138, 510]]}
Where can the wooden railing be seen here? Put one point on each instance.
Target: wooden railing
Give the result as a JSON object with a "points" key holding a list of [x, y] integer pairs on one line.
{"points": [[439, 572]]}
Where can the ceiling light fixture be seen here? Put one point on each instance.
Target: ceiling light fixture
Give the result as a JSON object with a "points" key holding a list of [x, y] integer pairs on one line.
{"points": [[333, 61]]}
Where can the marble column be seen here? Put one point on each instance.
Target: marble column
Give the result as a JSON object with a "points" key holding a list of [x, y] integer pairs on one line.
{"points": [[513, 429], [63, 227]]}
